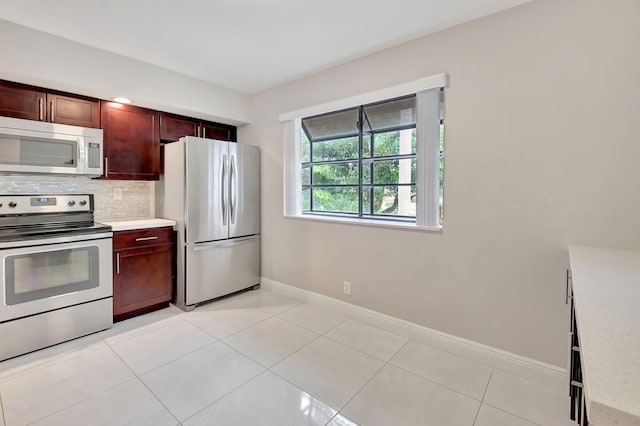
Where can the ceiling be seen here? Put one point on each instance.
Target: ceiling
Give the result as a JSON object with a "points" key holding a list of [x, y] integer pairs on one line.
{"points": [[245, 45]]}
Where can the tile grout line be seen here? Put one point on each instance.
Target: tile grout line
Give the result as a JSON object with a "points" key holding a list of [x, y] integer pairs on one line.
{"points": [[391, 358], [434, 382], [486, 388], [385, 363], [356, 318], [77, 402], [162, 365], [307, 328], [363, 386], [155, 326], [226, 394], [475, 419], [513, 414], [137, 377], [47, 364], [235, 332]]}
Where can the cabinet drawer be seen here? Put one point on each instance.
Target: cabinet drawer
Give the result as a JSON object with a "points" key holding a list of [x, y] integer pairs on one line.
{"points": [[142, 237]]}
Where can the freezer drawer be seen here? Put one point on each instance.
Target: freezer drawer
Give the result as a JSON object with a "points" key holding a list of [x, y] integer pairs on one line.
{"points": [[218, 268]]}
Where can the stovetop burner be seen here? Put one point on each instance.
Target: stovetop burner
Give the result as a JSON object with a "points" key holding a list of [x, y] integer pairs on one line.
{"points": [[28, 217], [39, 232]]}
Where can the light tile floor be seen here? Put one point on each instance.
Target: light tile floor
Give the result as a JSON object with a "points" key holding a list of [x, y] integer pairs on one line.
{"points": [[260, 358]]}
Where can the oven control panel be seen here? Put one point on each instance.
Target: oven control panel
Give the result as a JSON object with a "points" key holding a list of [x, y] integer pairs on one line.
{"points": [[27, 204]]}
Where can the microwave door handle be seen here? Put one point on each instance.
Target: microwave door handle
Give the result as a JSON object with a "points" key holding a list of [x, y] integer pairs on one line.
{"points": [[80, 155]]}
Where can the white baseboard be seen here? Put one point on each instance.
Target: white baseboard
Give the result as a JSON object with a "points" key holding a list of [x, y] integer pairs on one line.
{"points": [[536, 371]]}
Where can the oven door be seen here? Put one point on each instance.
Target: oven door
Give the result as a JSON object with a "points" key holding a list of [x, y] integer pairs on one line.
{"points": [[44, 277]]}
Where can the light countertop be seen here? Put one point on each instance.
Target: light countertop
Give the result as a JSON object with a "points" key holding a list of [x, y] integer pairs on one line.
{"points": [[127, 225], [606, 288]]}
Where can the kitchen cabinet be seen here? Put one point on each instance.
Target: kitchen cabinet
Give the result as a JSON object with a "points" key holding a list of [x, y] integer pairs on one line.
{"points": [[578, 410], [34, 103], [173, 127], [131, 142], [603, 287], [143, 271]]}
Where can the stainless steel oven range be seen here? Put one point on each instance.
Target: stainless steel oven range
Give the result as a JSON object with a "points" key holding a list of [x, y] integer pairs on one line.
{"points": [[56, 271]]}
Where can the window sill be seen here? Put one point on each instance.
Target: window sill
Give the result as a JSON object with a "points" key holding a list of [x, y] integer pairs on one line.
{"points": [[366, 222]]}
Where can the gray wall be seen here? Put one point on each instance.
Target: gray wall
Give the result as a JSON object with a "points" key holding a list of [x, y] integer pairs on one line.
{"points": [[42, 59], [542, 122]]}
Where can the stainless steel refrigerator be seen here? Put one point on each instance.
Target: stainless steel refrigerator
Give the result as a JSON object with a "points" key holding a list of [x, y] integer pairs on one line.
{"points": [[211, 189]]}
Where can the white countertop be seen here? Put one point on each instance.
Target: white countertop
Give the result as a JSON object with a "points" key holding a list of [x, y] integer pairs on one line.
{"points": [[606, 288], [126, 225]]}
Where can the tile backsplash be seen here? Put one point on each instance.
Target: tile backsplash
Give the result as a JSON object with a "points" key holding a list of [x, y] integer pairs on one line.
{"points": [[136, 199]]}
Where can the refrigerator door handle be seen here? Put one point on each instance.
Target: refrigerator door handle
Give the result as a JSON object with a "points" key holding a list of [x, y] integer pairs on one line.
{"points": [[223, 190], [223, 243], [233, 188]]}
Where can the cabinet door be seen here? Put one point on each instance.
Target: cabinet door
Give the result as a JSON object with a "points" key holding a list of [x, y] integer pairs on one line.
{"points": [[75, 111], [142, 278], [218, 131], [19, 101], [173, 127], [131, 142]]}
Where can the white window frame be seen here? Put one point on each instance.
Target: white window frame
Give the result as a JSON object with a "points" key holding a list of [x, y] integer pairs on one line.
{"points": [[427, 91]]}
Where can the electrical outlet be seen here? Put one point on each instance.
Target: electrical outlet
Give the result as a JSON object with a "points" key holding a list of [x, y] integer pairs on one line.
{"points": [[117, 193], [347, 288]]}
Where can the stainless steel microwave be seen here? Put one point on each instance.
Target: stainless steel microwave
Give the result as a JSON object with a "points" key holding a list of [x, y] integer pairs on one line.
{"points": [[28, 146]]}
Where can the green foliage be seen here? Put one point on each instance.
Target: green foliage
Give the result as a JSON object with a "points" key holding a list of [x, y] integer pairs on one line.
{"points": [[383, 172]]}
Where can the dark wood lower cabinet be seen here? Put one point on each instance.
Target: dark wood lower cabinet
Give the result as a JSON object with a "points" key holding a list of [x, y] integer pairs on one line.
{"points": [[143, 271]]}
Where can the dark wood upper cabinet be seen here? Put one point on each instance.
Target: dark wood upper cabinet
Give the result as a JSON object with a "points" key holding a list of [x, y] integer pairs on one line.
{"points": [[20, 101], [131, 142], [76, 111], [173, 127], [33, 103], [218, 131]]}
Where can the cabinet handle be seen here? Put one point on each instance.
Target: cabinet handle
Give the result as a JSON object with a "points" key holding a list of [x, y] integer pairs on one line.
{"points": [[204, 132], [41, 109], [106, 166], [118, 263], [146, 238], [53, 115]]}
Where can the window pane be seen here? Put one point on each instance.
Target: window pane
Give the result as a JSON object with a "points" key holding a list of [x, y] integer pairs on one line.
{"points": [[336, 174], [395, 200], [305, 146], [306, 199], [395, 143], [366, 145], [335, 125], [337, 149], [389, 115], [306, 176], [366, 172], [366, 201], [343, 199], [394, 171]]}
